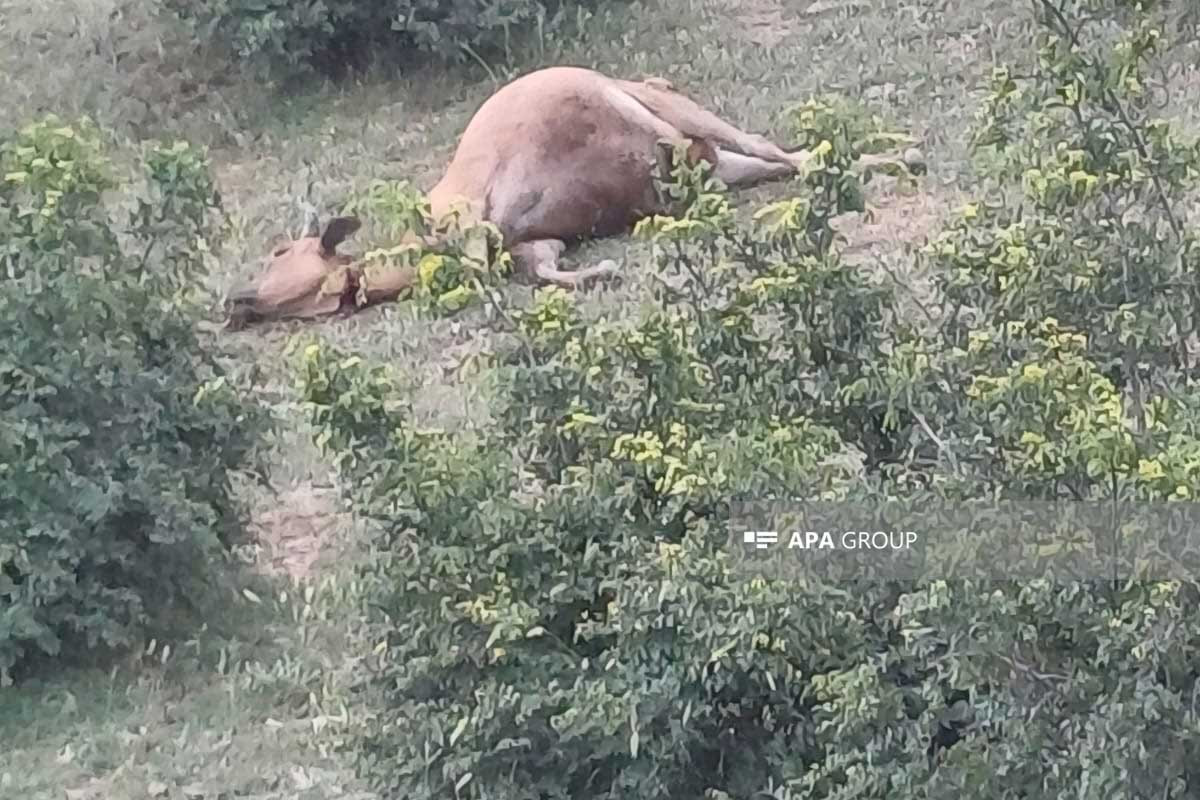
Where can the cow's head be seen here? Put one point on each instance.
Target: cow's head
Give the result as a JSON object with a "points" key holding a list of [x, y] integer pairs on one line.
{"points": [[303, 278]]}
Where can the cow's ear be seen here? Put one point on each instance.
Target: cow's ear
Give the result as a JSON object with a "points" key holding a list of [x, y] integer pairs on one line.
{"points": [[337, 231]]}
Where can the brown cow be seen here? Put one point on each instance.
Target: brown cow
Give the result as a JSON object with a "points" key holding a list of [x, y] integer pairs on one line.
{"points": [[557, 155]]}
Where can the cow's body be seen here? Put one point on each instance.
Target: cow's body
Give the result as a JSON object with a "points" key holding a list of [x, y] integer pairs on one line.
{"points": [[564, 153], [559, 154]]}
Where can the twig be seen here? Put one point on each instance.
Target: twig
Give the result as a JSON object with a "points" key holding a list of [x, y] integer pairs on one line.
{"points": [[1041, 677], [920, 418]]}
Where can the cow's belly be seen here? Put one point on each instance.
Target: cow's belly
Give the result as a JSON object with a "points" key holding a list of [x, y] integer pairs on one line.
{"points": [[571, 201], [587, 170]]}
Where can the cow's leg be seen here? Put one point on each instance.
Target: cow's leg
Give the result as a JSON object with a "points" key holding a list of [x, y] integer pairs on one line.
{"points": [[735, 169], [540, 259], [693, 120]]}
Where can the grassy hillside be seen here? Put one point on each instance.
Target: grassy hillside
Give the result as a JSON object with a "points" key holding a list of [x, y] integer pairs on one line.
{"points": [[253, 706]]}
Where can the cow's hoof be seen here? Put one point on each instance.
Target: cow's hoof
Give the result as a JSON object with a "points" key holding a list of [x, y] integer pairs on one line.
{"points": [[237, 319], [802, 161], [608, 269], [914, 159]]}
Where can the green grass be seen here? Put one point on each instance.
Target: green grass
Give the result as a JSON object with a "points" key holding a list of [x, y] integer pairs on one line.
{"points": [[242, 708], [228, 712]]}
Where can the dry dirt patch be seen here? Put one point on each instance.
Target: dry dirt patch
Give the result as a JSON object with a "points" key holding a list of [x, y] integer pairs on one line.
{"points": [[294, 527], [899, 217], [769, 22], [761, 21]]}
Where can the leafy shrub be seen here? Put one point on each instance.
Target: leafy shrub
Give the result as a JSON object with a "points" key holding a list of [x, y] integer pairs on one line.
{"points": [[1070, 300], [558, 609], [462, 266], [118, 431], [334, 33], [538, 567]]}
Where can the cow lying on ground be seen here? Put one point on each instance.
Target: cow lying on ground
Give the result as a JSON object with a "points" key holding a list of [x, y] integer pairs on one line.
{"points": [[558, 155]]}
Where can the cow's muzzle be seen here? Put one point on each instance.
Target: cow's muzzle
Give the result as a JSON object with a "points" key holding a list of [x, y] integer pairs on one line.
{"points": [[240, 307]]}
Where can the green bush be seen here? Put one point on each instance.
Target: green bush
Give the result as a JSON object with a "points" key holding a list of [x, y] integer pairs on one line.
{"points": [[118, 429], [559, 613], [561, 619], [336, 33], [1061, 364]]}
